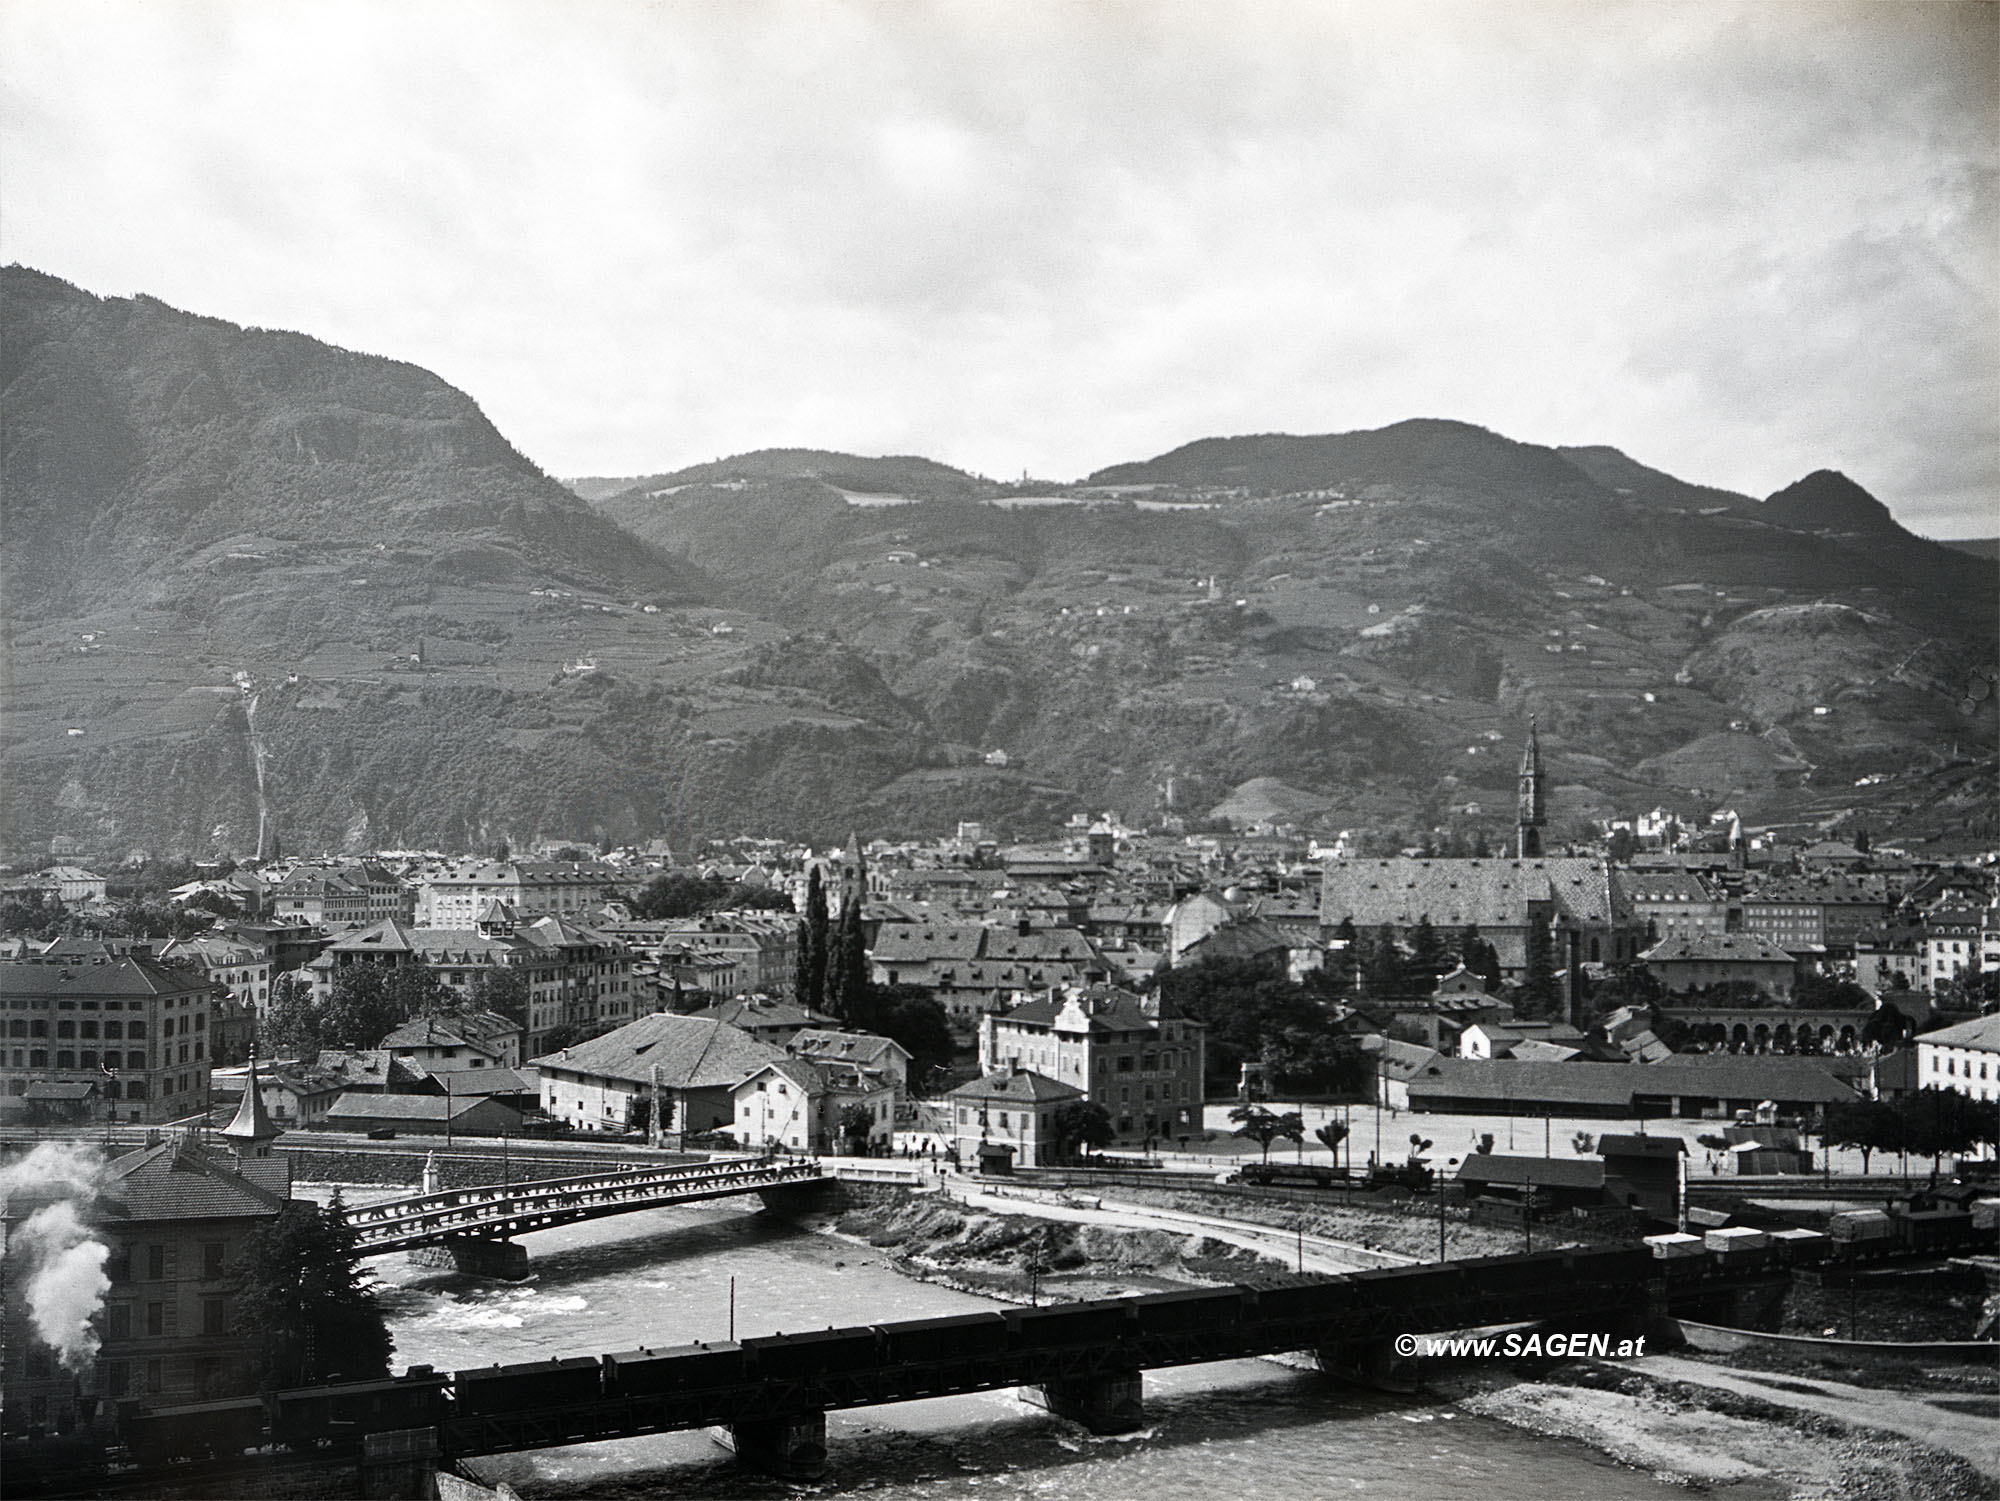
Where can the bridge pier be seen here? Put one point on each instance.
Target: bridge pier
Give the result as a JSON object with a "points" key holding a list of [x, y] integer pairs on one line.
{"points": [[791, 1447], [1373, 1362], [1112, 1403], [400, 1465], [805, 1195], [478, 1257]]}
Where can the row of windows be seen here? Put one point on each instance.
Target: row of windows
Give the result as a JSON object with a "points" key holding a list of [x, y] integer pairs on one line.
{"points": [[113, 1031], [80, 1058], [21, 1004], [1950, 1067]]}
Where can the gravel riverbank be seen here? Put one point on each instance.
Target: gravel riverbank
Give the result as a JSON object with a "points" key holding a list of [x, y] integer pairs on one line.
{"points": [[1702, 1426]]}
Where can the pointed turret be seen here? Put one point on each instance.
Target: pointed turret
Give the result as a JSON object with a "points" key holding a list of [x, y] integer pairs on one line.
{"points": [[1530, 810], [253, 1130]]}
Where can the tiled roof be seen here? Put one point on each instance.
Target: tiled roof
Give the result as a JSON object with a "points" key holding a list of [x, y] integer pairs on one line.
{"points": [[1716, 948], [1024, 1088], [1981, 1033], [179, 1180], [98, 976], [1538, 1172], [1108, 1009], [1615, 1084], [1243, 939], [1452, 893], [913, 943], [691, 1052], [854, 1047], [403, 1107]]}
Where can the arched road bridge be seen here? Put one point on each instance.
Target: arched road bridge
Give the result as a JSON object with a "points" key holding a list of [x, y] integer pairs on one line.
{"points": [[476, 1224]]}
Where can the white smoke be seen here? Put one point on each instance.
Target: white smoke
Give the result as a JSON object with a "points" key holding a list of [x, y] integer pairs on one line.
{"points": [[67, 1287], [66, 1284], [53, 1170]]}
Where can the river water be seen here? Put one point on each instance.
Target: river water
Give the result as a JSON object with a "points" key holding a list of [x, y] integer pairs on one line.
{"points": [[661, 1277]]}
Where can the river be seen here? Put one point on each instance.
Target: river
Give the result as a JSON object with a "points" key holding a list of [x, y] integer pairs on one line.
{"points": [[660, 1277]]}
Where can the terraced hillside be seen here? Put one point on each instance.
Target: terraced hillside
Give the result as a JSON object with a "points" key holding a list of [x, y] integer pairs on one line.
{"points": [[254, 582]]}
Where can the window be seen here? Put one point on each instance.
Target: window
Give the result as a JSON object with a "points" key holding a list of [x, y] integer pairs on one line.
{"points": [[118, 1321], [66, 1058], [66, 1029], [156, 1263], [212, 1316], [153, 1376], [113, 1031], [117, 1378], [211, 1259], [38, 1057], [156, 1319], [135, 1030]]}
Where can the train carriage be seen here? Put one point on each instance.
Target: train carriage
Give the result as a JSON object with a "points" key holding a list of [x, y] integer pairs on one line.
{"points": [[532, 1384], [811, 1353], [964, 1336], [1098, 1322], [676, 1368], [304, 1417], [1196, 1308], [157, 1436]]}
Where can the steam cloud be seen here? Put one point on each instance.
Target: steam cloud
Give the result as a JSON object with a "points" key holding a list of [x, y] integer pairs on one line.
{"points": [[66, 1283]]}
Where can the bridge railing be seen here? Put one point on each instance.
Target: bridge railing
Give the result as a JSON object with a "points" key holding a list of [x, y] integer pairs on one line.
{"points": [[436, 1214]]}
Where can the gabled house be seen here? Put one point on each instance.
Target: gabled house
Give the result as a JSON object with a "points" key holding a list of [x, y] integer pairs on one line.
{"points": [[691, 1062], [803, 1106]]}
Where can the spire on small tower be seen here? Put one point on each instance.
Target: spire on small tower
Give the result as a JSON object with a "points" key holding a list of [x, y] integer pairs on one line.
{"points": [[253, 1129], [853, 873], [1530, 810]]}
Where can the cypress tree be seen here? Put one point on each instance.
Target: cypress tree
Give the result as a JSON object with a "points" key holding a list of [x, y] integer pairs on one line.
{"points": [[847, 965], [818, 946], [1385, 964], [804, 972], [1427, 956], [1539, 976]]}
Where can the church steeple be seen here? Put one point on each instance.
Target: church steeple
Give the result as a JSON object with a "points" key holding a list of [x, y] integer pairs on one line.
{"points": [[853, 873], [1530, 812], [253, 1130]]}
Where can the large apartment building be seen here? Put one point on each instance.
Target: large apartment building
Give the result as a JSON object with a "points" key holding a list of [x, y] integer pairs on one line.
{"points": [[454, 896], [120, 1035], [574, 975], [1137, 1057]]}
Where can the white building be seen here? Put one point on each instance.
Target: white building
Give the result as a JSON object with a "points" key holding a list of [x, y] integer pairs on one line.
{"points": [[803, 1107], [1965, 1058]]}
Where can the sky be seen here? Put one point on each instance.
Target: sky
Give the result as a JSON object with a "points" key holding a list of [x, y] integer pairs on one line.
{"points": [[1739, 241]]}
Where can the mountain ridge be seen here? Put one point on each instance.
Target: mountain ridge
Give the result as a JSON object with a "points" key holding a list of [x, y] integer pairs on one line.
{"points": [[263, 583]]}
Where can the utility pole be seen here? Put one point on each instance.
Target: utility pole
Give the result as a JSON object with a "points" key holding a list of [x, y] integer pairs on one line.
{"points": [[653, 1115]]}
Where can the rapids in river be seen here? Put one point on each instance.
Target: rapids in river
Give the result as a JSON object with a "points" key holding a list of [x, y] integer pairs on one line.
{"points": [[1246, 1428]]}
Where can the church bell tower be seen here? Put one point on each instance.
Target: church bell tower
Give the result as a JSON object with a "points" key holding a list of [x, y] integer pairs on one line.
{"points": [[1530, 812]]}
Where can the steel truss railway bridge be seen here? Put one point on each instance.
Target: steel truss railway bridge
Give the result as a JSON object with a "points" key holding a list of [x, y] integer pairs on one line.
{"points": [[477, 1224]]}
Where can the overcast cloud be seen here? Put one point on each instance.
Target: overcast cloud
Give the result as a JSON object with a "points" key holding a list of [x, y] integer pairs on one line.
{"points": [[1738, 241]]}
